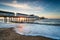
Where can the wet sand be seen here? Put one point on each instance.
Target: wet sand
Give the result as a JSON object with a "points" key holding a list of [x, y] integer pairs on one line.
{"points": [[10, 34]]}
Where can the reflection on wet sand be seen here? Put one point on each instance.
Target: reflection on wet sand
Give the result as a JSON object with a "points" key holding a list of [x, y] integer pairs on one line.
{"points": [[20, 28]]}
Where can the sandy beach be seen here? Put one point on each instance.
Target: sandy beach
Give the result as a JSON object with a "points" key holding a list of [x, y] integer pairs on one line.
{"points": [[10, 34]]}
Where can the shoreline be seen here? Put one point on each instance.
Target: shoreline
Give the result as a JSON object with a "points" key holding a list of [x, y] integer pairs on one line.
{"points": [[10, 34]]}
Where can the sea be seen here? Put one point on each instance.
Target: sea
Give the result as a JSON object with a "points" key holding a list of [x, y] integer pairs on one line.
{"points": [[45, 27]]}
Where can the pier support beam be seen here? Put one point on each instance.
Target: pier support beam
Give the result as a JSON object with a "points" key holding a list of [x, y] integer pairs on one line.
{"points": [[5, 19], [10, 19]]}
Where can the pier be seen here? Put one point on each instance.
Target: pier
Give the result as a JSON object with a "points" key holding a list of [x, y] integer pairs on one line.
{"points": [[17, 17], [7, 16]]}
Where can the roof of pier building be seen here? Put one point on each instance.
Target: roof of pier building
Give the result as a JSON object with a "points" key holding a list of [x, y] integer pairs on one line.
{"points": [[25, 15], [6, 14]]}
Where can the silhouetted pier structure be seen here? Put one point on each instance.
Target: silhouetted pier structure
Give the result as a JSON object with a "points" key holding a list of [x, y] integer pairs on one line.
{"points": [[18, 17]]}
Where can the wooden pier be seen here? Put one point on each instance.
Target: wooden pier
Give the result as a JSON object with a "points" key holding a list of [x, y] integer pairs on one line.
{"points": [[17, 17]]}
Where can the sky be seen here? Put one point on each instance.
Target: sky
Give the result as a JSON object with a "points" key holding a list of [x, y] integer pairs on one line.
{"points": [[46, 8]]}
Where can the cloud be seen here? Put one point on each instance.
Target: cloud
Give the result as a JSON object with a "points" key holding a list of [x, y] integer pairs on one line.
{"points": [[24, 6], [14, 1]]}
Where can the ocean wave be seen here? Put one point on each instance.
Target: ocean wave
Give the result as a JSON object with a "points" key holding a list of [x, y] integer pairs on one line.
{"points": [[38, 30]]}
